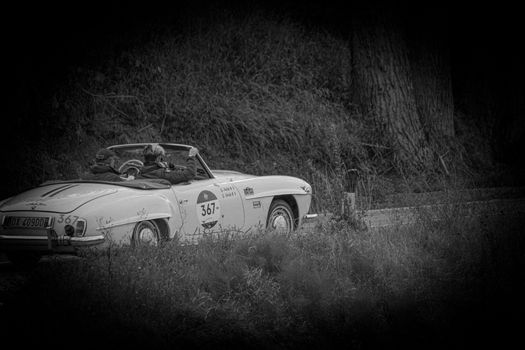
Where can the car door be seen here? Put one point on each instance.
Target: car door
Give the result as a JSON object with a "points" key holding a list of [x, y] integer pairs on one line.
{"points": [[233, 215], [208, 207]]}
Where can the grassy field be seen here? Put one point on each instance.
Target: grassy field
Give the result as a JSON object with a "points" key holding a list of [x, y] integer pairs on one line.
{"points": [[451, 283]]}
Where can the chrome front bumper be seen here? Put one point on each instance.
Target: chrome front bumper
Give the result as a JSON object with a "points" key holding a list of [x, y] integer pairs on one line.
{"points": [[49, 243], [309, 218]]}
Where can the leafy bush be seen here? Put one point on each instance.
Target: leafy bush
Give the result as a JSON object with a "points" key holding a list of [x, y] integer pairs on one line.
{"points": [[259, 94], [330, 285]]}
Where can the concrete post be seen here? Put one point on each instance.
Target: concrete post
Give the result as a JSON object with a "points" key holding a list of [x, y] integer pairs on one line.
{"points": [[348, 204]]}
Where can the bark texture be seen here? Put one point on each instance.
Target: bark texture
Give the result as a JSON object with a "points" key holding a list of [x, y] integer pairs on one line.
{"points": [[432, 75], [382, 81], [433, 91]]}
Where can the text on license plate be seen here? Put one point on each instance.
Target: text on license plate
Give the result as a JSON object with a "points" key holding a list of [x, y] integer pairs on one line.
{"points": [[28, 222]]}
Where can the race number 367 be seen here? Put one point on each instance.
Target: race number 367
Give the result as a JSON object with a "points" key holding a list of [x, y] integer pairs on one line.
{"points": [[208, 209]]}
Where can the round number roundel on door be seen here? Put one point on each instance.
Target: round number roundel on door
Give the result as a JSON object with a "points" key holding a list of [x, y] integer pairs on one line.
{"points": [[208, 209]]}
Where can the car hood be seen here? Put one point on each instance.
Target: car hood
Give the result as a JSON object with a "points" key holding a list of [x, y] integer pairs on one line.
{"points": [[58, 198]]}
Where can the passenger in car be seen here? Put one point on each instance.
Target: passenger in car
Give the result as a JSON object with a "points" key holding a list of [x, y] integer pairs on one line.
{"points": [[104, 168], [155, 168]]}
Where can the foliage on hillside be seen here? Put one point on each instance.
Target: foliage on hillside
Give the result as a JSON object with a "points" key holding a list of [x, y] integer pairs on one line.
{"points": [[259, 95]]}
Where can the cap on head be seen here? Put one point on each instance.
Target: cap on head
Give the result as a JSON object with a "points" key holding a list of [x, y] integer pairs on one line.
{"points": [[104, 155], [153, 151]]}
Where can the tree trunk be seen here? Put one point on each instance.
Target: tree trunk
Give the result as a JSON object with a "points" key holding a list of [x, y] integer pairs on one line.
{"points": [[384, 88], [432, 76], [433, 89]]}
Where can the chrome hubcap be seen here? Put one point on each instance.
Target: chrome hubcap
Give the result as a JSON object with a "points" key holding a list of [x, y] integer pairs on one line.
{"points": [[281, 222], [148, 236]]}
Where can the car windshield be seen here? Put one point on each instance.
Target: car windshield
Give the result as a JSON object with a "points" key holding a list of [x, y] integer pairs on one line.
{"points": [[131, 155]]}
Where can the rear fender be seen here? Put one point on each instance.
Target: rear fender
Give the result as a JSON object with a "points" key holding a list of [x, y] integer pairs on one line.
{"points": [[118, 218]]}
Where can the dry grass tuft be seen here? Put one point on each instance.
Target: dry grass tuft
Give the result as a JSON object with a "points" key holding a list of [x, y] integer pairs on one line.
{"points": [[333, 285]]}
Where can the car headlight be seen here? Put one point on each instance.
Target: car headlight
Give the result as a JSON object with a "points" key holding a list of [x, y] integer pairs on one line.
{"points": [[80, 227], [78, 230]]}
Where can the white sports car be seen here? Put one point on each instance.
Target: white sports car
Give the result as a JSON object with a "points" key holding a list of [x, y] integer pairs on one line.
{"points": [[63, 216]]}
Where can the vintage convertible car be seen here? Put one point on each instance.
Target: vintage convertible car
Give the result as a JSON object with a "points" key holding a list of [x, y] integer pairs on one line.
{"points": [[63, 216]]}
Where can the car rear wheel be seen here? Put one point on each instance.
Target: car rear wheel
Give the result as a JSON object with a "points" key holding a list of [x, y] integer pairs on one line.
{"points": [[280, 217], [146, 233], [24, 259]]}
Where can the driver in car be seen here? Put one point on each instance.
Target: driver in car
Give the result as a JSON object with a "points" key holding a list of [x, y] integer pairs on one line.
{"points": [[104, 168], [155, 168]]}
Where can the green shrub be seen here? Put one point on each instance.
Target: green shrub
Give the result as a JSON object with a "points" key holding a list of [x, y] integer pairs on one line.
{"points": [[317, 286]]}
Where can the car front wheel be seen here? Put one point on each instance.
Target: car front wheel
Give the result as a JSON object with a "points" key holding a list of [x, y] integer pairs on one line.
{"points": [[146, 233], [280, 217]]}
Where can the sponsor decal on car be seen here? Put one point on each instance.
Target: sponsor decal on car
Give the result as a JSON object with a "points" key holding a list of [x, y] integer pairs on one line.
{"points": [[248, 191], [208, 209], [228, 191]]}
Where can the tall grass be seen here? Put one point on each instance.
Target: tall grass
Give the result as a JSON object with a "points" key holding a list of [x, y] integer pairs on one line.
{"points": [[419, 285]]}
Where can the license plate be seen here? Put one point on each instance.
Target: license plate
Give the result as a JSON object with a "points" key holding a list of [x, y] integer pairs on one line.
{"points": [[26, 222]]}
